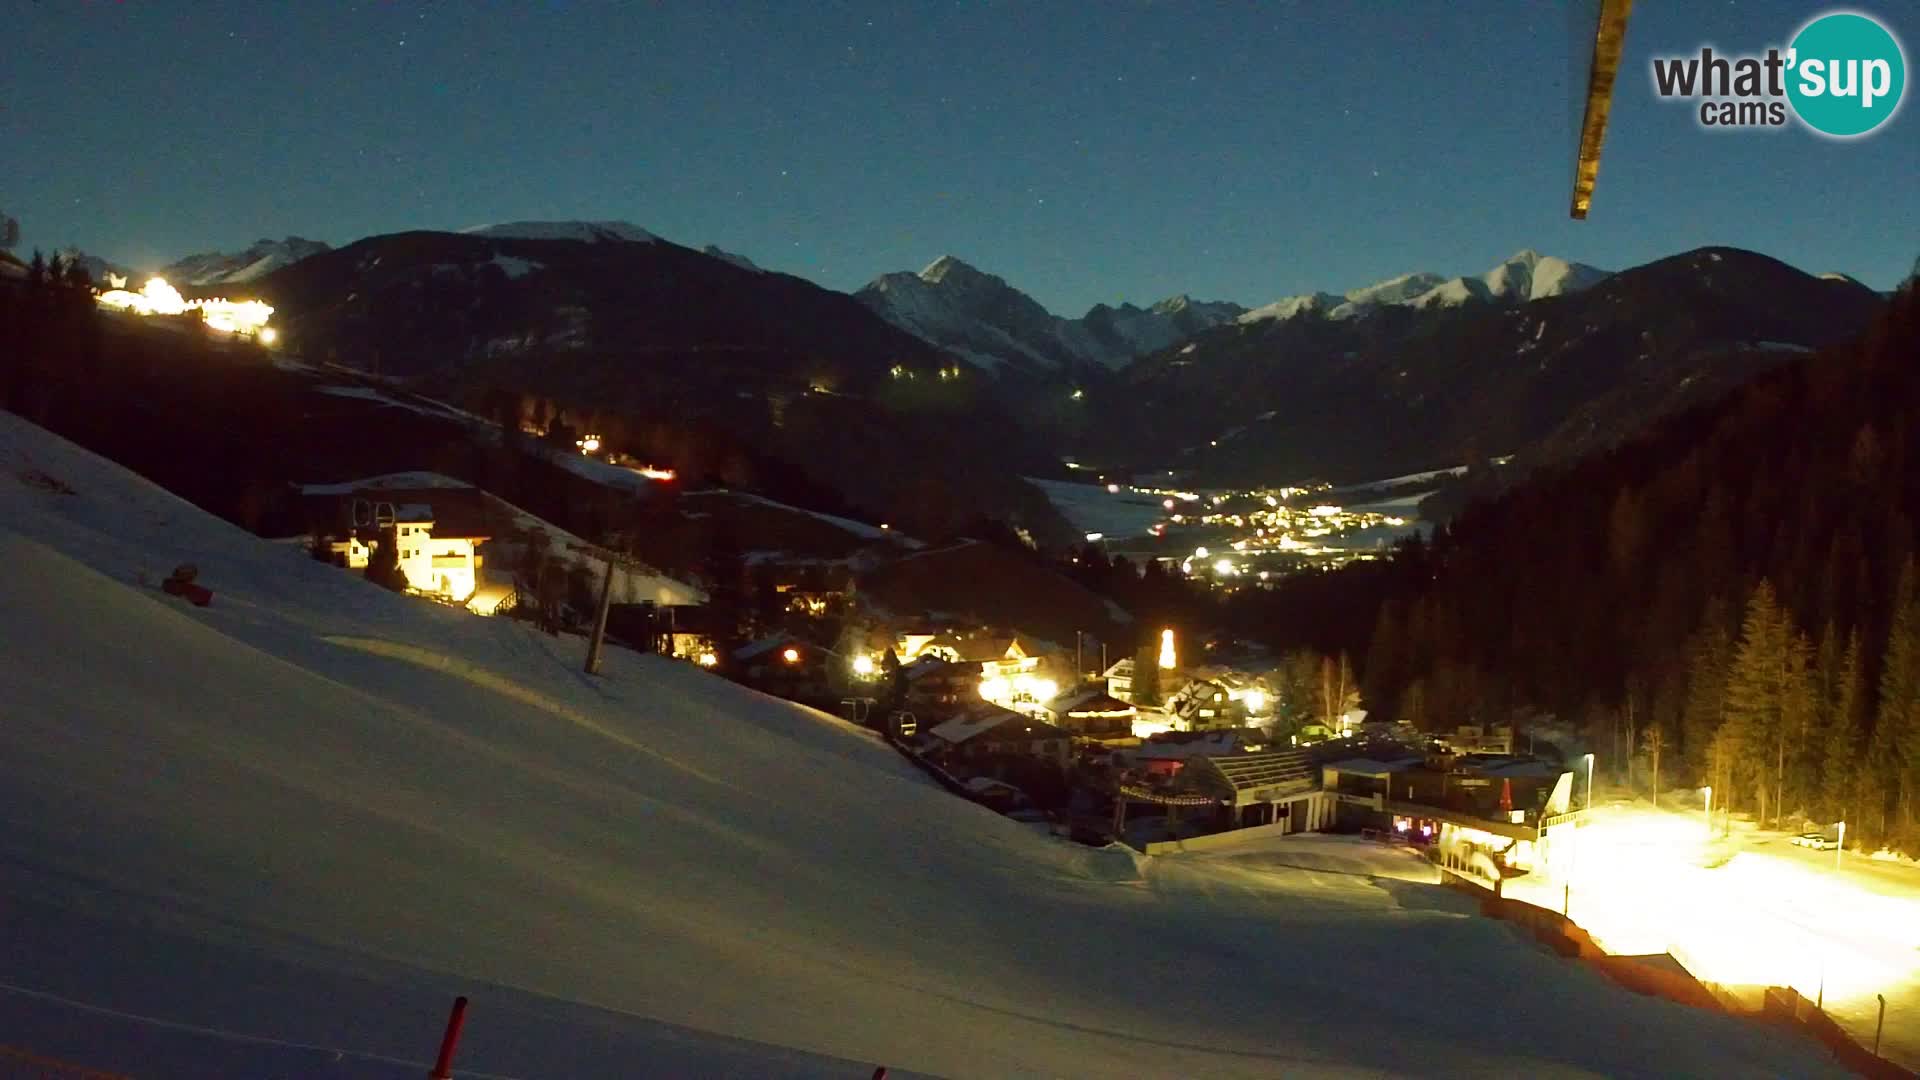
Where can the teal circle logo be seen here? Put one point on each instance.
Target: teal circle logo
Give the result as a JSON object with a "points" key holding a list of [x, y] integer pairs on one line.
{"points": [[1846, 74]]}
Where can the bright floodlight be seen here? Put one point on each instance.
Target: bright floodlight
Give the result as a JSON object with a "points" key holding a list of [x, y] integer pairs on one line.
{"points": [[863, 665], [1166, 649], [791, 656]]}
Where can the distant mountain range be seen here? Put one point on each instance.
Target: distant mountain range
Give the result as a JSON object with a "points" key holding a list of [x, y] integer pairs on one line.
{"points": [[717, 360], [1539, 355], [1525, 276], [260, 258], [1418, 385], [979, 317]]}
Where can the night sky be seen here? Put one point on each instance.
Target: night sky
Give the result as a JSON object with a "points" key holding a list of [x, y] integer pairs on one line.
{"points": [[1086, 152]]}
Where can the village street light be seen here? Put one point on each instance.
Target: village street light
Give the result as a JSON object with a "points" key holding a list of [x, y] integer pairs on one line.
{"points": [[1589, 803], [863, 665], [790, 654], [1840, 845]]}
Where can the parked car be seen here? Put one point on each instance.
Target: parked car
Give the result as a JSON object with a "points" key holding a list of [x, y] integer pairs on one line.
{"points": [[1816, 841]]}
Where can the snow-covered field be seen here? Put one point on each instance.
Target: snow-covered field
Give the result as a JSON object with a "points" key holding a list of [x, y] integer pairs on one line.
{"points": [[275, 836], [1751, 910], [1091, 508]]}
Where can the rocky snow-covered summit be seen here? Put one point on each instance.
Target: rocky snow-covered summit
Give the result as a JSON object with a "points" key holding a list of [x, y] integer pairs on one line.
{"points": [[1526, 275], [260, 258], [979, 316]]}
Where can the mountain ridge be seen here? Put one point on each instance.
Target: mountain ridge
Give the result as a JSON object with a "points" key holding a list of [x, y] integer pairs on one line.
{"points": [[980, 316]]}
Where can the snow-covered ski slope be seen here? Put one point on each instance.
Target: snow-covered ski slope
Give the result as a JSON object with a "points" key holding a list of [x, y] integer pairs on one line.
{"points": [[314, 811]]}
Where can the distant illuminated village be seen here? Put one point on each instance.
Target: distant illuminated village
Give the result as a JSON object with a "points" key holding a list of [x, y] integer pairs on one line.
{"points": [[1236, 539]]}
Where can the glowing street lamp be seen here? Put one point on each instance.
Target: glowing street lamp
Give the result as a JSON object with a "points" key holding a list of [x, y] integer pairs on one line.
{"points": [[1840, 845], [1589, 804], [1166, 650], [863, 665], [790, 655]]}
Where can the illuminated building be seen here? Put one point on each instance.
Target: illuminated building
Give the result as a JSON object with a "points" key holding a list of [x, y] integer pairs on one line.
{"points": [[446, 566], [247, 317]]}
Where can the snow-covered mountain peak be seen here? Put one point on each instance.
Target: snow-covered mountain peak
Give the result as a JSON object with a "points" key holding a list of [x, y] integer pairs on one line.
{"points": [[950, 269], [977, 315], [261, 258], [1394, 290], [1525, 275], [740, 261], [588, 231]]}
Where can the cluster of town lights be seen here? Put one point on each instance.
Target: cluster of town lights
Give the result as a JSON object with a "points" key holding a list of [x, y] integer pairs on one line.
{"points": [[157, 297]]}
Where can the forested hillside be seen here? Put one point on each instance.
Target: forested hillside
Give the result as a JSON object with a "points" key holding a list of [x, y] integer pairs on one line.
{"points": [[1734, 591]]}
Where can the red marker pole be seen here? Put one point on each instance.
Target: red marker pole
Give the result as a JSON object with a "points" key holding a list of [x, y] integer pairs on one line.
{"points": [[443, 1068]]}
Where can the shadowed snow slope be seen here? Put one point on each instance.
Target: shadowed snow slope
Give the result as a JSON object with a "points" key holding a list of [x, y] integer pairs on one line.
{"points": [[314, 810]]}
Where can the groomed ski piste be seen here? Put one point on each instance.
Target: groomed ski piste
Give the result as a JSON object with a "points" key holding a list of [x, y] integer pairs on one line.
{"points": [[275, 837]]}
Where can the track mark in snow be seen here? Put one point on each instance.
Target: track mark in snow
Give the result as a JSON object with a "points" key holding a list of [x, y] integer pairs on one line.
{"points": [[481, 677], [229, 1036]]}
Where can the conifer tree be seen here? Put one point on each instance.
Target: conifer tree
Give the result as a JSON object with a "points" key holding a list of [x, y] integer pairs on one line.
{"points": [[1705, 708], [1756, 695], [1146, 675], [383, 567], [1653, 740], [1840, 765], [1896, 733]]}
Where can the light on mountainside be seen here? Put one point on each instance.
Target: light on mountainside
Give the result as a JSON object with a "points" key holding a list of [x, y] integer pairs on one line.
{"points": [[1166, 649], [159, 298], [790, 655]]}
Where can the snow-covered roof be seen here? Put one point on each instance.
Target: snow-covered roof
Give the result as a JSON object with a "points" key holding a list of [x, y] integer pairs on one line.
{"points": [[1183, 745], [764, 646], [1369, 767], [1089, 701], [986, 718], [385, 482]]}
